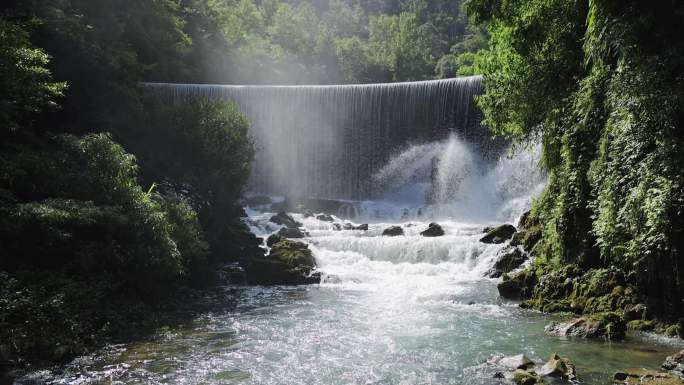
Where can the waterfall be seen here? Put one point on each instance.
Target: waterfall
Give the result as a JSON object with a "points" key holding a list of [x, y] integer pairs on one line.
{"points": [[329, 140]]}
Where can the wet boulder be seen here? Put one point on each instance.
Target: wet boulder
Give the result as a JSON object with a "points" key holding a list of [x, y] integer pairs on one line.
{"points": [[524, 377], [393, 231], [558, 368], [518, 285], [433, 230], [521, 370], [519, 361], [289, 263], [646, 377], [288, 232], [675, 364], [527, 239], [325, 218], [282, 218], [498, 234], [273, 239], [308, 213], [607, 325], [507, 260], [350, 226]]}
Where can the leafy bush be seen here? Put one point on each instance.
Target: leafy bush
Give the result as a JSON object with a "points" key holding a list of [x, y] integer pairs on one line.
{"points": [[24, 79], [201, 150], [87, 214]]}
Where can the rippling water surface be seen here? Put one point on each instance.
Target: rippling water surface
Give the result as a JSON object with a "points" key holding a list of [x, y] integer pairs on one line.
{"points": [[392, 310]]}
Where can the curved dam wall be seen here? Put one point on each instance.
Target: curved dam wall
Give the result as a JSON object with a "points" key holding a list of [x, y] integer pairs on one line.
{"points": [[329, 140]]}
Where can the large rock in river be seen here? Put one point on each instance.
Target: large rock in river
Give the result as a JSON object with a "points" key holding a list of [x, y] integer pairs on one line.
{"points": [[558, 368], [601, 325], [507, 260], [675, 364], [518, 285], [393, 231], [289, 263], [325, 218], [289, 232], [646, 377], [498, 234], [282, 218], [433, 230]]}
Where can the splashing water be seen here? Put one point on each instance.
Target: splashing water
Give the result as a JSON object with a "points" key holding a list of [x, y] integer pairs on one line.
{"points": [[451, 180], [390, 310], [327, 141]]}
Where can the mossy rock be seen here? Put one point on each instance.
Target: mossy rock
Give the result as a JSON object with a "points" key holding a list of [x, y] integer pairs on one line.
{"points": [[641, 325], [508, 260], [524, 377], [646, 377], [517, 286], [607, 325], [289, 263], [292, 253], [498, 234], [673, 331], [527, 239]]}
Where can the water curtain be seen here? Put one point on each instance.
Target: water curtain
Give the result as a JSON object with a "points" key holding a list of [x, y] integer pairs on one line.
{"points": [[328, 140]]}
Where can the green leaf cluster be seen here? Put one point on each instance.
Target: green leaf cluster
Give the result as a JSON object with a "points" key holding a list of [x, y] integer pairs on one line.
{"points": [[599, 83]]}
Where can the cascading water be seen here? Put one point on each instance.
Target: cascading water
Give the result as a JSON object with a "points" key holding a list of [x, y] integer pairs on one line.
{"points": [[390, 310], [327, 141]]}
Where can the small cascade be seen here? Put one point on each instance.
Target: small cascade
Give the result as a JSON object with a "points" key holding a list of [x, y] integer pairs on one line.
{"points": [[329, 140]]}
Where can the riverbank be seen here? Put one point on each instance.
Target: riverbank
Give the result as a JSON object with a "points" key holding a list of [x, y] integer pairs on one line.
{"points": [[389, 309], [606, 293]]}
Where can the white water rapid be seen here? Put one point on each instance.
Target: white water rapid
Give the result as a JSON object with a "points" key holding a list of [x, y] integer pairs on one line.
{"points": [[402, 310]]}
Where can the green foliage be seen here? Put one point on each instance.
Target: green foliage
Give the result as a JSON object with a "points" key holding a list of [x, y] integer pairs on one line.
{"points": [[25, 80], [600, 82], [103, 51], [200, 146], [86, 214], [328, 41], [199, 150], [80, 237]]}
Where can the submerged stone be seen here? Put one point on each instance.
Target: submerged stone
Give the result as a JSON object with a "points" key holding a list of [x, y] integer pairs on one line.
{"points": [[393, 231], [498, 234], [433, 230]]}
